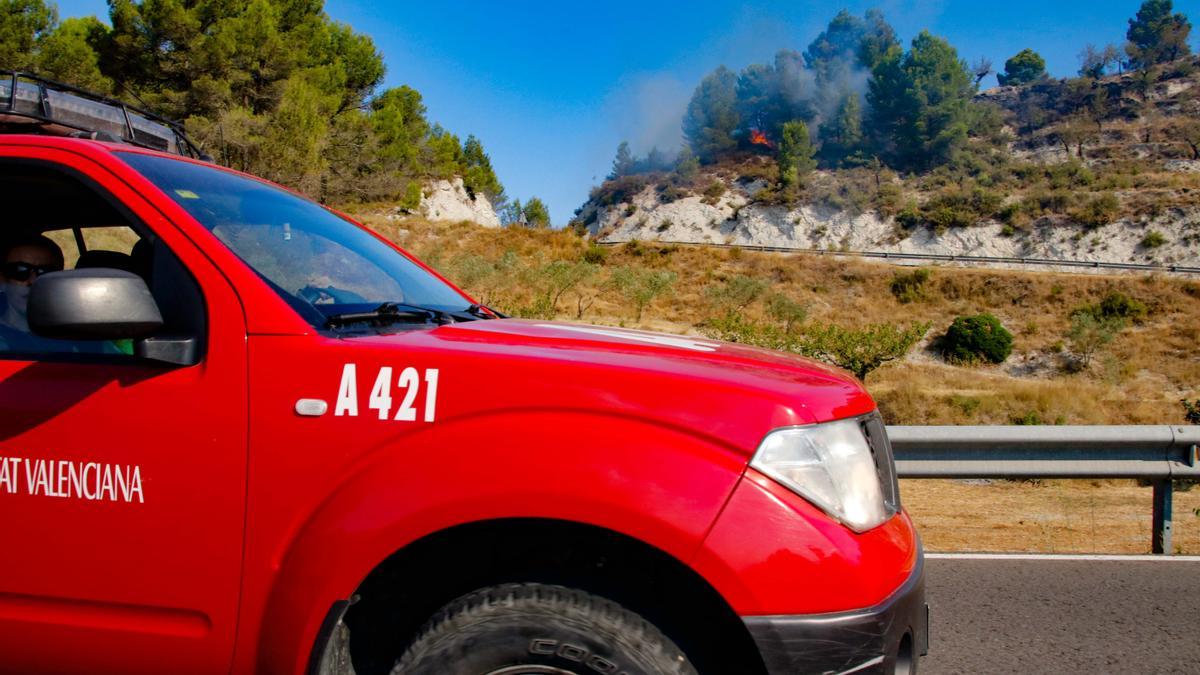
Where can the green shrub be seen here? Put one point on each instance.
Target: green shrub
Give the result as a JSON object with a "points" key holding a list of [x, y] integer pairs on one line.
{"points": [[411, 201], [1089, 334], [556, 278], [859, 350], [1069, 174], [594, 254], [1047, 201], [910, 216], [910, 286], [669, 192], [640, 286], [785, 310], [539, 308], [1010, 213], [1031, 418], [974, 338], [961, 208], [887, 199], [734, 294], [712, 193], [619, 190], [944, 217], [1191, 410], [1115, 305], [737, 328], [969, 405], [1098, 211], [1153, 239]]}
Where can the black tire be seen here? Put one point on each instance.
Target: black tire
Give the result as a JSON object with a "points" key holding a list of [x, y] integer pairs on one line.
{"points": [[516, 629]]}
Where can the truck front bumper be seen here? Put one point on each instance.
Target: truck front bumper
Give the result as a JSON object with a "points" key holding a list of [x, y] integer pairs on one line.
{"points": [[887, 638]]}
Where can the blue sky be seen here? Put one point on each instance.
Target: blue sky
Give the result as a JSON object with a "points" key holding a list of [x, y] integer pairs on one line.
{"points": [[551, 88]]}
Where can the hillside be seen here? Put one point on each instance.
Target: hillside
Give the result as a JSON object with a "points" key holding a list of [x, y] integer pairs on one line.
{"points": [[1137, 378], [1104, 169]]}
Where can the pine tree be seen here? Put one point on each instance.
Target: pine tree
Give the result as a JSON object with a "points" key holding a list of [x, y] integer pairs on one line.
{"points": [[623, 163], [66, 54], [795, 154], [536, 213], [842, 137], [1024, 67], [478, 175], [878, 38], [1156, 35], [398, 118], [921, 103], [22, 22], [712, 117]]}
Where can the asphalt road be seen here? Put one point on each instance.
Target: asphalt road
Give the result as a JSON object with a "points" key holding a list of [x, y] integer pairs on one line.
{"points": [[1063, 615]]}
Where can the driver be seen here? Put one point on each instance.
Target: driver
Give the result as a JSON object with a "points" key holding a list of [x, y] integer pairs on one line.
{"points": [[26, 259]]}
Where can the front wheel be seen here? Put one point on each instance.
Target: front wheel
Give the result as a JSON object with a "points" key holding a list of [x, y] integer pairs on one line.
{"points": [[528, 629]]}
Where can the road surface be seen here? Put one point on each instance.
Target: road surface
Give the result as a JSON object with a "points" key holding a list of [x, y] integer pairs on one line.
{"points": [[1063, 614]]}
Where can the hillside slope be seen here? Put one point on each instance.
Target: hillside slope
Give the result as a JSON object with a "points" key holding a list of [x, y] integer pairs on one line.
{"points": [[1070, 182], [1138, 378]]}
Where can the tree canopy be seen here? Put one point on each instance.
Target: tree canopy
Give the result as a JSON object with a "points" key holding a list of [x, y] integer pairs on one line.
{"points": [[273, 87], [921, 101], [918, 113], [536, 213], [1024, 67], [1156, 35], [712, 117]]}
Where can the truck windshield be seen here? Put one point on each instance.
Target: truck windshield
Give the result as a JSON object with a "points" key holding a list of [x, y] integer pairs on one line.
{"points": [[324, 266]]}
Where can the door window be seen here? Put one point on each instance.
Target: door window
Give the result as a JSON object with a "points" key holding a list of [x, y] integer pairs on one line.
{"points": [[61, 221]]}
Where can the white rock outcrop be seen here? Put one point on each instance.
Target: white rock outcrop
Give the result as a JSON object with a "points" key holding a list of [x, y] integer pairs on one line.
{"points": [[732, 219], [449, 200]]}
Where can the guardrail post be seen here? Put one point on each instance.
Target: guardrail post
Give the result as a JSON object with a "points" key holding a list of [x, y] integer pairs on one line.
{"points": [[1161, 535]]}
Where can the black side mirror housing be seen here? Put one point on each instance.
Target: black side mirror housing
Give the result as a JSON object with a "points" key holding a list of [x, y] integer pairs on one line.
{"points": [[92, 304]]}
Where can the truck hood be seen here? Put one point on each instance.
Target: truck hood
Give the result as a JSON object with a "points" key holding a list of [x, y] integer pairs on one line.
{"points": [[586, 341], [731, 390]]}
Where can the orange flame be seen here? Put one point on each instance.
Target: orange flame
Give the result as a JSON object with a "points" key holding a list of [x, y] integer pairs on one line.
{"points": [[757, 137]]}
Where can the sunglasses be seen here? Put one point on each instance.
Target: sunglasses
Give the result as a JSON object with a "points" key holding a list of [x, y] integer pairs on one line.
{"points": [[21, 271]]}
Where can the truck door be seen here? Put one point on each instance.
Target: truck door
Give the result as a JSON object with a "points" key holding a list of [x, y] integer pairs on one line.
{"points": [[122, 481]]}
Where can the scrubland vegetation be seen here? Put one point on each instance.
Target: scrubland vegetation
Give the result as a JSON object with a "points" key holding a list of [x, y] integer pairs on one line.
{"points": [[1133, 361], [1080, 348]]}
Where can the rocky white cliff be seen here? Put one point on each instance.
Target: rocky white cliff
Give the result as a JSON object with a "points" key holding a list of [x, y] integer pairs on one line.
{"points": [[735, 219], [449, 200]]}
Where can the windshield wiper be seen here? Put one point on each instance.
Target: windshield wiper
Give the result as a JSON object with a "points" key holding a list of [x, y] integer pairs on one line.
{"points": [[484, 312], [389, 313]]}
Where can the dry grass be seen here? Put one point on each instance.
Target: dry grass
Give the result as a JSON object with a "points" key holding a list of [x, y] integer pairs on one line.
{"points": [[1054, 516], [1139, 379]]}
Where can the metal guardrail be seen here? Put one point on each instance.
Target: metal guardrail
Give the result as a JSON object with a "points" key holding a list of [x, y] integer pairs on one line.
{"points": [[1142, 267], [1160, 454]]}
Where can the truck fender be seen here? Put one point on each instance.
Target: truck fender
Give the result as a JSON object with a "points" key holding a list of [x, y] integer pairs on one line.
{"points": [[659, 484]]}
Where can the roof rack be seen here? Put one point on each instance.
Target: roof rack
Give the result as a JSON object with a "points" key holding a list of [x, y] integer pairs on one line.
{"points": [[33, 104]]}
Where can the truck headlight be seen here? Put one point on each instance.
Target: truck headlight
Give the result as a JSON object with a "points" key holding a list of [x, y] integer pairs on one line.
{"points": [[833, 466]]}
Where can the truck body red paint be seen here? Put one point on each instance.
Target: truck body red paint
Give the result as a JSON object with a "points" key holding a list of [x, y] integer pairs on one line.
{"points": [[252, 519]]}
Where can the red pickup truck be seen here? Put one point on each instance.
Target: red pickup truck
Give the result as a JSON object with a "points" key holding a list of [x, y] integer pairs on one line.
{"points": [[242, 433]]}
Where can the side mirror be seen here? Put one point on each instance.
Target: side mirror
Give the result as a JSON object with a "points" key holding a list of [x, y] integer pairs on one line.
{"points": [[92, 304]]}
